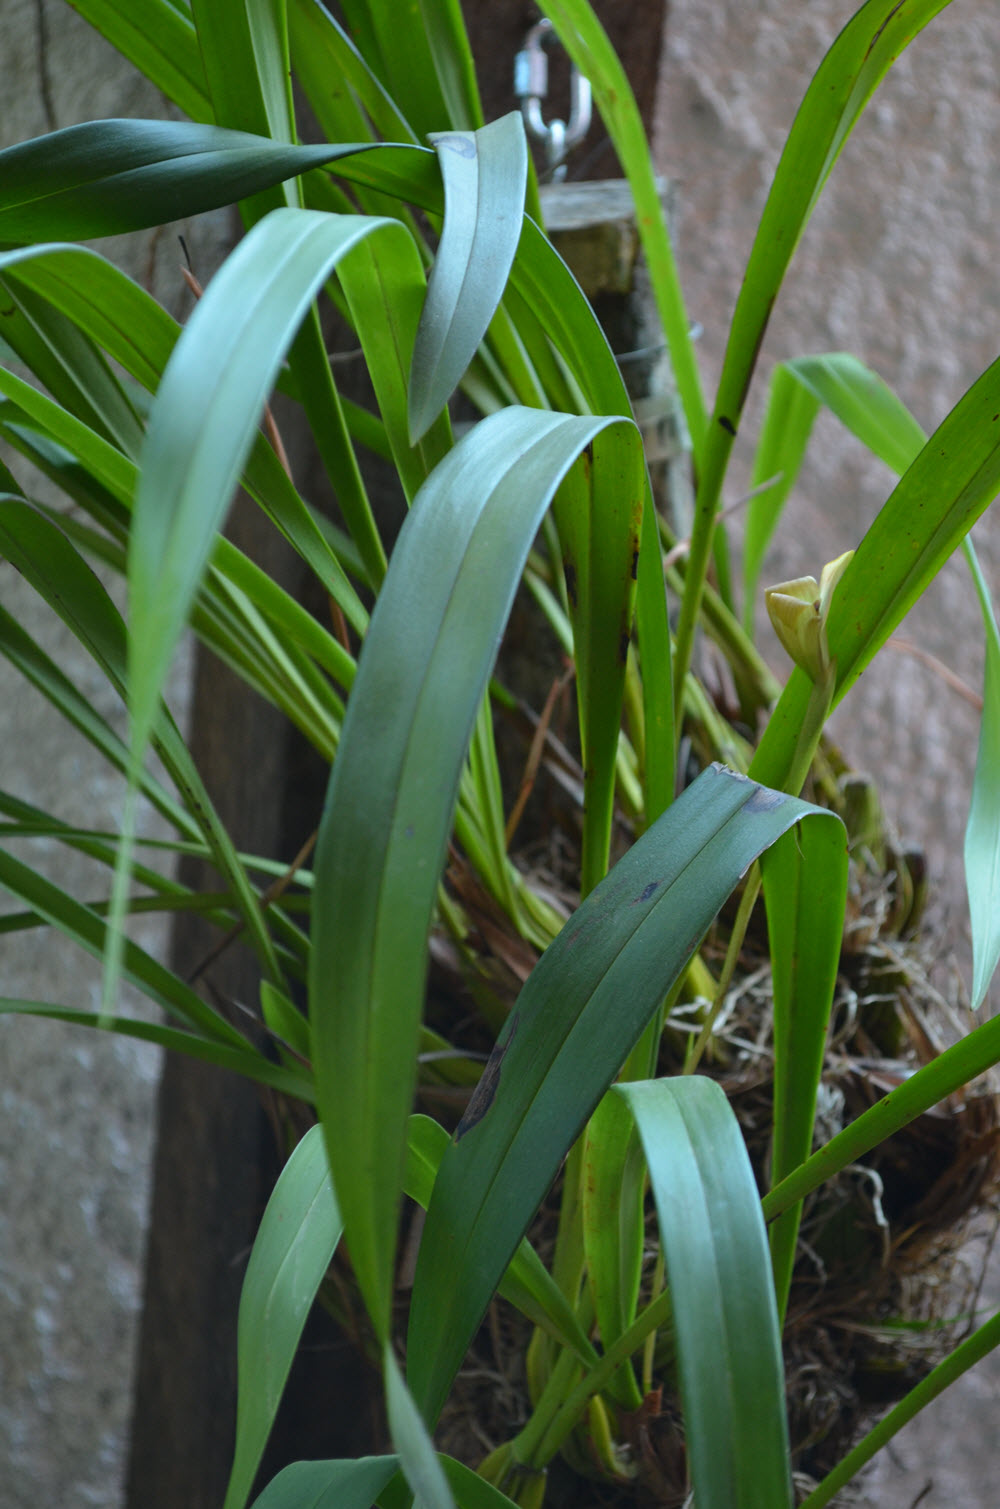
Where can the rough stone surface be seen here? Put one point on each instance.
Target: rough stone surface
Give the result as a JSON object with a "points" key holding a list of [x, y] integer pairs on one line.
{"points": [[899, 266], [76, 1110]]}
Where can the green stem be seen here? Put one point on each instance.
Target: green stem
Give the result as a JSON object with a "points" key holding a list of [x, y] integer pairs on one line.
{"points": [[750, 893], [971, 1351], [573, 1405], [702, 533]]}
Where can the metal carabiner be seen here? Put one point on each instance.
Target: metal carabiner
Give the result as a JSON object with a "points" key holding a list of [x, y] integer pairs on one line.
{"points": [[531, 87]]}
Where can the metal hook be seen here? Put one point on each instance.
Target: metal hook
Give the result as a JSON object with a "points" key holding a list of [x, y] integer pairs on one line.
{"points": [[531, 87]]}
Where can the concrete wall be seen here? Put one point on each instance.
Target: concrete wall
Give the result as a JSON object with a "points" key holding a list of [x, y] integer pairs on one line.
{"points": [[76, 1122]]}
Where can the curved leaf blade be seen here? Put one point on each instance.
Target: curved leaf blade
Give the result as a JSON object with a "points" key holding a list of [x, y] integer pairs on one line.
{"points": [[724, 1313], [484, 173], [295, 1242], [203, 422], [352, 1484], [584, 1006], [421, 675], [106, 177]]}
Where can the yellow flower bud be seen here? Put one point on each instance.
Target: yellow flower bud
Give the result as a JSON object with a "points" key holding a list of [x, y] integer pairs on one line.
{"points": [[799, 609]]}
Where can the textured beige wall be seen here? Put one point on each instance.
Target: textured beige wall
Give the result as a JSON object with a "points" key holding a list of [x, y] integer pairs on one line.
{"points": [[76, 1110], [898, 265]]}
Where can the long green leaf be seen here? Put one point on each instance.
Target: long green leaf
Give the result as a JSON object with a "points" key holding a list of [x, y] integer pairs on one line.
{"points": [[982, 832], [805, 887], [972, 1350], [246, 1060], [68, 364], [203, 422], [421, 675], [244, 50], [584, 1006], [599, 511], [484, 175], [87, 928], [724, 1313], [321, 51], [939, 498], [44, 555], [784, 434], [850, 73], [613, 1221], [400, 48], [876, 416], [588, 45], [527, 1284], [295, 1242], [953, 1069], [105, 177]]}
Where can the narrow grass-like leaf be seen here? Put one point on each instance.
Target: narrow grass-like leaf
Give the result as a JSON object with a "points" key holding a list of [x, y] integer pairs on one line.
{"points": [[37, 667], [613, 1226], [784, 434], [939, 498], [244, 50], [321, 51], [87, 928], [724, 1313], [422, 673], [44, 555], [245, 1060], [840, 89], [106, 177], [953, 1069], [484, 174], [876, 416], [863, 403], [527, 1284], [982, 832], [598, 511], [117, 314], [295, 1242], [203, 421], [453, 61], [66, 362], [397, 45], [972, 1350], [385, 289], [587, 44], [805, 887], [584, 1006]]}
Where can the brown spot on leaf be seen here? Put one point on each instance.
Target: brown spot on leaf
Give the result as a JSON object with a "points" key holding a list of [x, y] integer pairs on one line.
{"points": [[484, 1094]]}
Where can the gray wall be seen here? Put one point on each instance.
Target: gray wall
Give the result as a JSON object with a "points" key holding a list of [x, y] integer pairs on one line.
{"points": [[76, 1110]]}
